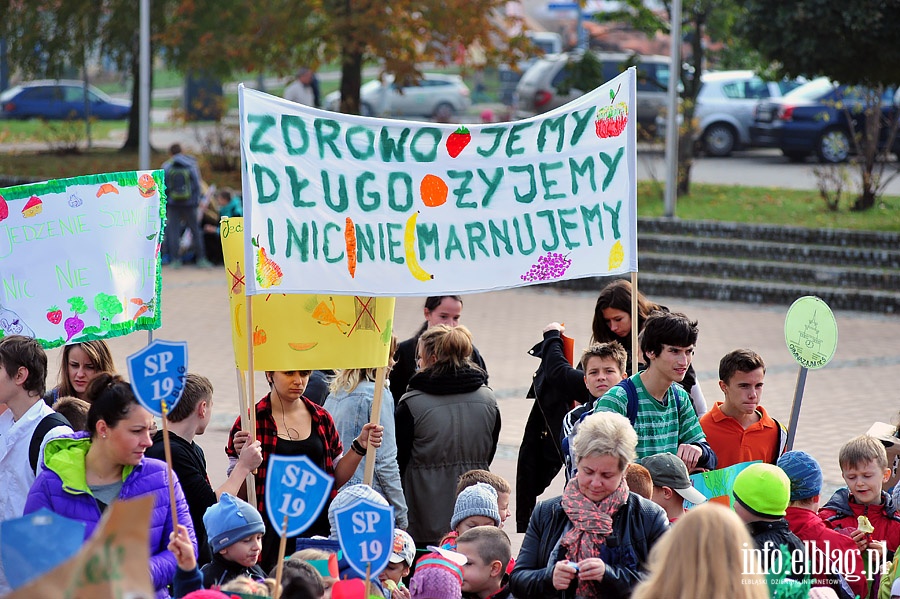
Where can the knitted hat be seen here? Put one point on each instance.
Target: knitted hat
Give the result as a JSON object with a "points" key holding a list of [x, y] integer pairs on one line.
{"points": [[804, 473], [667, 470], [478, 500], [229, 521], [436, 578], [763, 490], [350, 494], [404, 549]]}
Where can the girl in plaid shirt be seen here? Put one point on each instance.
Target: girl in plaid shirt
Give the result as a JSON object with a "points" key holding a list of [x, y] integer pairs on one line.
{"points": [[287, 423]]}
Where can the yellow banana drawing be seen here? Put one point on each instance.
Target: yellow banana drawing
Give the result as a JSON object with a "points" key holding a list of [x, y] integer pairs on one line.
{"points": [[409, 244]]}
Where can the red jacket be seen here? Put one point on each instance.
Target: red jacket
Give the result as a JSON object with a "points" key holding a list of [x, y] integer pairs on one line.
{"points": [[839, 549], [842, 512]]}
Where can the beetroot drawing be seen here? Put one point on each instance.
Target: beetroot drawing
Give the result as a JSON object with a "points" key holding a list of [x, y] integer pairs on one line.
{"points": [[551, 265], [74, 325], [611, 120]]}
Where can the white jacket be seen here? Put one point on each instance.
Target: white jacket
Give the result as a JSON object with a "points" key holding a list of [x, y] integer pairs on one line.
{"points": [[15, 469]]}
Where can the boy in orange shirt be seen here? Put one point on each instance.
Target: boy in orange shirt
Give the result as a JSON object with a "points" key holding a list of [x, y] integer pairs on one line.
{"points": [[739, 429]]}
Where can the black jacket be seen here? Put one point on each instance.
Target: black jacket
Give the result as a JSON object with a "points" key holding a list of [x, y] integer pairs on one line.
{"points": [[220, 570], [769, 537], [636, 527], [555, 387]]}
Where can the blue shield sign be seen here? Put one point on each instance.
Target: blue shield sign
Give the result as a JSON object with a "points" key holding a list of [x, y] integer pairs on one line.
{"points": [[366, 533], [297, 489], [157, 374]]}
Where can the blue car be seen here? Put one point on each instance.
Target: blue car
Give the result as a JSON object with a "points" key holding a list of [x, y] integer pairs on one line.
{"points": [[811, 119], [59, 100]]}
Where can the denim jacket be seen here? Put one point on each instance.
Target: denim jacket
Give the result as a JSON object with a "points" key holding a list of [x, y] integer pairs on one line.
{"points": [[350, 412]]}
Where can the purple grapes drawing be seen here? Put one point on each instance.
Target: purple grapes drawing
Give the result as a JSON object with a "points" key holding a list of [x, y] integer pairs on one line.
{"points": [[550, 266]]}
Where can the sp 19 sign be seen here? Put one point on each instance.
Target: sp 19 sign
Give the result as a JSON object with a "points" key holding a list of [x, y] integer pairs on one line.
{"points": [[157, 374], [366, 533], [296, 488]]}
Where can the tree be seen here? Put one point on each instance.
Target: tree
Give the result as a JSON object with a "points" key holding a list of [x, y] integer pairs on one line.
{"points": [[703, 21], [281, 35], [47, 36], [855, 43]]}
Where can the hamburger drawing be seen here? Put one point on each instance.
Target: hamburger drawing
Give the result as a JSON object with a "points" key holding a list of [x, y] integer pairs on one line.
{"points": [[146, 185]]}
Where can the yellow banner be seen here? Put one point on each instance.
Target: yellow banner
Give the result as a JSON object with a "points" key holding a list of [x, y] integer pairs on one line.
{"points": [[302, 332]]}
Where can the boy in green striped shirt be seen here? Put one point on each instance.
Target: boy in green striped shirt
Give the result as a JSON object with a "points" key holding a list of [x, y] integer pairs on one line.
{"points": [[665, 420]]}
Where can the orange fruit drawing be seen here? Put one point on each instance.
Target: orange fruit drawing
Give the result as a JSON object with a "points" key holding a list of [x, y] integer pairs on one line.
{"points": [[433, 191]]}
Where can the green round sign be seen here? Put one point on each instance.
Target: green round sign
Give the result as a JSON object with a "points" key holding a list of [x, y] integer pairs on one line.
{"points": [[811, 332]]}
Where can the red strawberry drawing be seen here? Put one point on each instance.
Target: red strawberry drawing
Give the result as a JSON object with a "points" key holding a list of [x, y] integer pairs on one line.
{"points": [[457, 141], [54, 315], [4, 208]]}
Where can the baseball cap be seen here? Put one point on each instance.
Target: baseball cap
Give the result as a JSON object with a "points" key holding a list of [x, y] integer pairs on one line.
{"points": [[667, 470], [404, 549]]}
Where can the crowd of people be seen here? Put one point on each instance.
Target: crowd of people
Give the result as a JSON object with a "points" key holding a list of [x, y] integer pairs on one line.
{"points": [[627, 523]]}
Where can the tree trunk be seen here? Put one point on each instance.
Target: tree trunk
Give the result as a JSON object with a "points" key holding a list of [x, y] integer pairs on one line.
{"points": [[133, 140], [686, 132], [351, 80]]}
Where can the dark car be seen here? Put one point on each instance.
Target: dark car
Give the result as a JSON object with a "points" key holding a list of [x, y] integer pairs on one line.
{"points": [[812, 119], [59, 100]]}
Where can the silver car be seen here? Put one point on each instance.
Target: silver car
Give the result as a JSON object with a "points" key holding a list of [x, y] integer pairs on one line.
{"points": [[538, 89], [436, 95], [725, 108]]}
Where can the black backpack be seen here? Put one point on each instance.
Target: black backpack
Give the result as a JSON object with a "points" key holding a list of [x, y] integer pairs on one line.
{"points": [[47, 424], [178, 182]]}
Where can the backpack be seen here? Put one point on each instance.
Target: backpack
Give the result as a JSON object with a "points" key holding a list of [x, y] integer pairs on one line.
{"points": [[573, 420], [632, 408], [47, 424], [178, 182]]}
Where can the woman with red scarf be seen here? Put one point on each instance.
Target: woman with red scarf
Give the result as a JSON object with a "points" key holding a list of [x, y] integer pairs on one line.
{"points": [[594, 540]]}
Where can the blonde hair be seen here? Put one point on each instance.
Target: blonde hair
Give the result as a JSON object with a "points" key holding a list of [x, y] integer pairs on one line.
{"points": [[247, 586], [349, 379], [703, 555], [472, 477], [861, 450], [606, 433], [450, 346]]}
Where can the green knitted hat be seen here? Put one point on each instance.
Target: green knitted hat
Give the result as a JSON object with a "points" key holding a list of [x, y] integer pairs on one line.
{"points": [[764, 490]]}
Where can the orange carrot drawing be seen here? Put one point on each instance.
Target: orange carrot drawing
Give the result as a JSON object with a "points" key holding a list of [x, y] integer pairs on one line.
{"points": [[350, 239]]}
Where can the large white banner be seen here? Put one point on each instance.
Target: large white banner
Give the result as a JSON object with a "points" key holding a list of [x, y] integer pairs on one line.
{"points": [[79, 258], [343, 204]]}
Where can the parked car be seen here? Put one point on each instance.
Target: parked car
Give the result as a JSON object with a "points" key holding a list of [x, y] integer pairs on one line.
{"points": [[726, 106], [59, 100], [538, 89], [811, 119], [547, 42], [435, 95]]}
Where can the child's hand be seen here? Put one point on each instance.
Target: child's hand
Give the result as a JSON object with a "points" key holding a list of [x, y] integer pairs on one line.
{"points": [[240, 439], [877, 546], [250, 454], [181, 547], [400, 593], [860, 538]]}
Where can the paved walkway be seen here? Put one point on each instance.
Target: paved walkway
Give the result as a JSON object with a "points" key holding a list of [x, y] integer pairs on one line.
{"points": [[841, 400]]}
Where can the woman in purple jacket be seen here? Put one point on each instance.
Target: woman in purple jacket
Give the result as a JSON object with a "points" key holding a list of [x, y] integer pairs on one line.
{"points": [[85, 472]]}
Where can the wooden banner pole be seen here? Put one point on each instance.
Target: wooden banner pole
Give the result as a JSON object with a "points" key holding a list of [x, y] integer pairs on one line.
{"points": [[375, 418], [168, 451], [634, 324]]}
